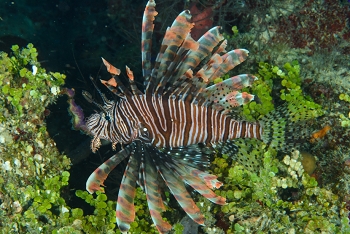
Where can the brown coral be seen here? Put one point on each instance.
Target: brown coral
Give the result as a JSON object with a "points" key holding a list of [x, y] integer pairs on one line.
{"points": [[318, 25]]}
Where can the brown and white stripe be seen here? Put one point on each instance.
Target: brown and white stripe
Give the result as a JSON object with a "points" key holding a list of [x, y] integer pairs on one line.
{"points": [[170, 122]]}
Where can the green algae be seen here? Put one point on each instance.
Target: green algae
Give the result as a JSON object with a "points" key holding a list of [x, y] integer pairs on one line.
{"points": [[277, 196], [344, 97], [272, 79], [35, 175], [33, 171], [103, 218], [24, 88], [280, 198]]}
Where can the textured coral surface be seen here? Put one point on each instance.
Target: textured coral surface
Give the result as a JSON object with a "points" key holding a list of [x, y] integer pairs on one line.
{"points": [[298, 49]]}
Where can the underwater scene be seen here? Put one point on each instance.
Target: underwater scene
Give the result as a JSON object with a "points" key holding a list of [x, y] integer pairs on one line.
{"points": [[167, 116]]}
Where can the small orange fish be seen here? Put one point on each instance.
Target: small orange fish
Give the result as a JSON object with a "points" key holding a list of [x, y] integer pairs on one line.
{"points": [[320, 134]]}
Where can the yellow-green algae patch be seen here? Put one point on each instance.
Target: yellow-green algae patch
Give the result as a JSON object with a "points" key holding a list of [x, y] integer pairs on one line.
{"points": [[280, 198], [33, 173]]}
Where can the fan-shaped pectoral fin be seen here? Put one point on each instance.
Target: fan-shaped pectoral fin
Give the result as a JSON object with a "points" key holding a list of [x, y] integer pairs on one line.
{"points": [[97, 178], [153, 195], [125, 211]]}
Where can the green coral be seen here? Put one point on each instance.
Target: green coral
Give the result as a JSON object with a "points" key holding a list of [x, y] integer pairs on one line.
{"points": [[103, 219], [34, 174], [36, 204], [280, 198], [178, 228], [344, 97], [234, 35], [344, 121], [270, 76], [35, 171], [22, 87]]}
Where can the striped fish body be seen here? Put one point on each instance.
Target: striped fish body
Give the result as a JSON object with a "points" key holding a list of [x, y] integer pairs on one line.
{"points": [[168, 122], [161, 125]]}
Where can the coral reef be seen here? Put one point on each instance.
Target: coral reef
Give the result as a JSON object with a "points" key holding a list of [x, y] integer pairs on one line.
{"points": [[34, 180], [285, 195], [279, 197], [272, 81], [322, 77], [33, 171], [317, 25], [309, 162]]}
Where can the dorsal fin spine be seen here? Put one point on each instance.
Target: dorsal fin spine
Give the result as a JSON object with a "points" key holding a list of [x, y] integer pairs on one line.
{"points": [[115, 82], [146, 40], [173, 39], [133, 86], [206, 45]]}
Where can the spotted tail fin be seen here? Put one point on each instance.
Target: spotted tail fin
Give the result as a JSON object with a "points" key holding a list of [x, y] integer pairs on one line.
{"points": [[284, 128], [248, 152]]}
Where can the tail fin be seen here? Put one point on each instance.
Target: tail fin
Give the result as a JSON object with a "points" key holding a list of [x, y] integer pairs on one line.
{"points": [[284, 128], [247, 152]]}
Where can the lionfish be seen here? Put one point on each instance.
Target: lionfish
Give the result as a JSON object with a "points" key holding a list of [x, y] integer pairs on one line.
{"points": [[166, 128]]}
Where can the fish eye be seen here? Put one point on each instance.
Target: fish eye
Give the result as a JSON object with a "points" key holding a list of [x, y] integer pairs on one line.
{"points": [[107, 117]]}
